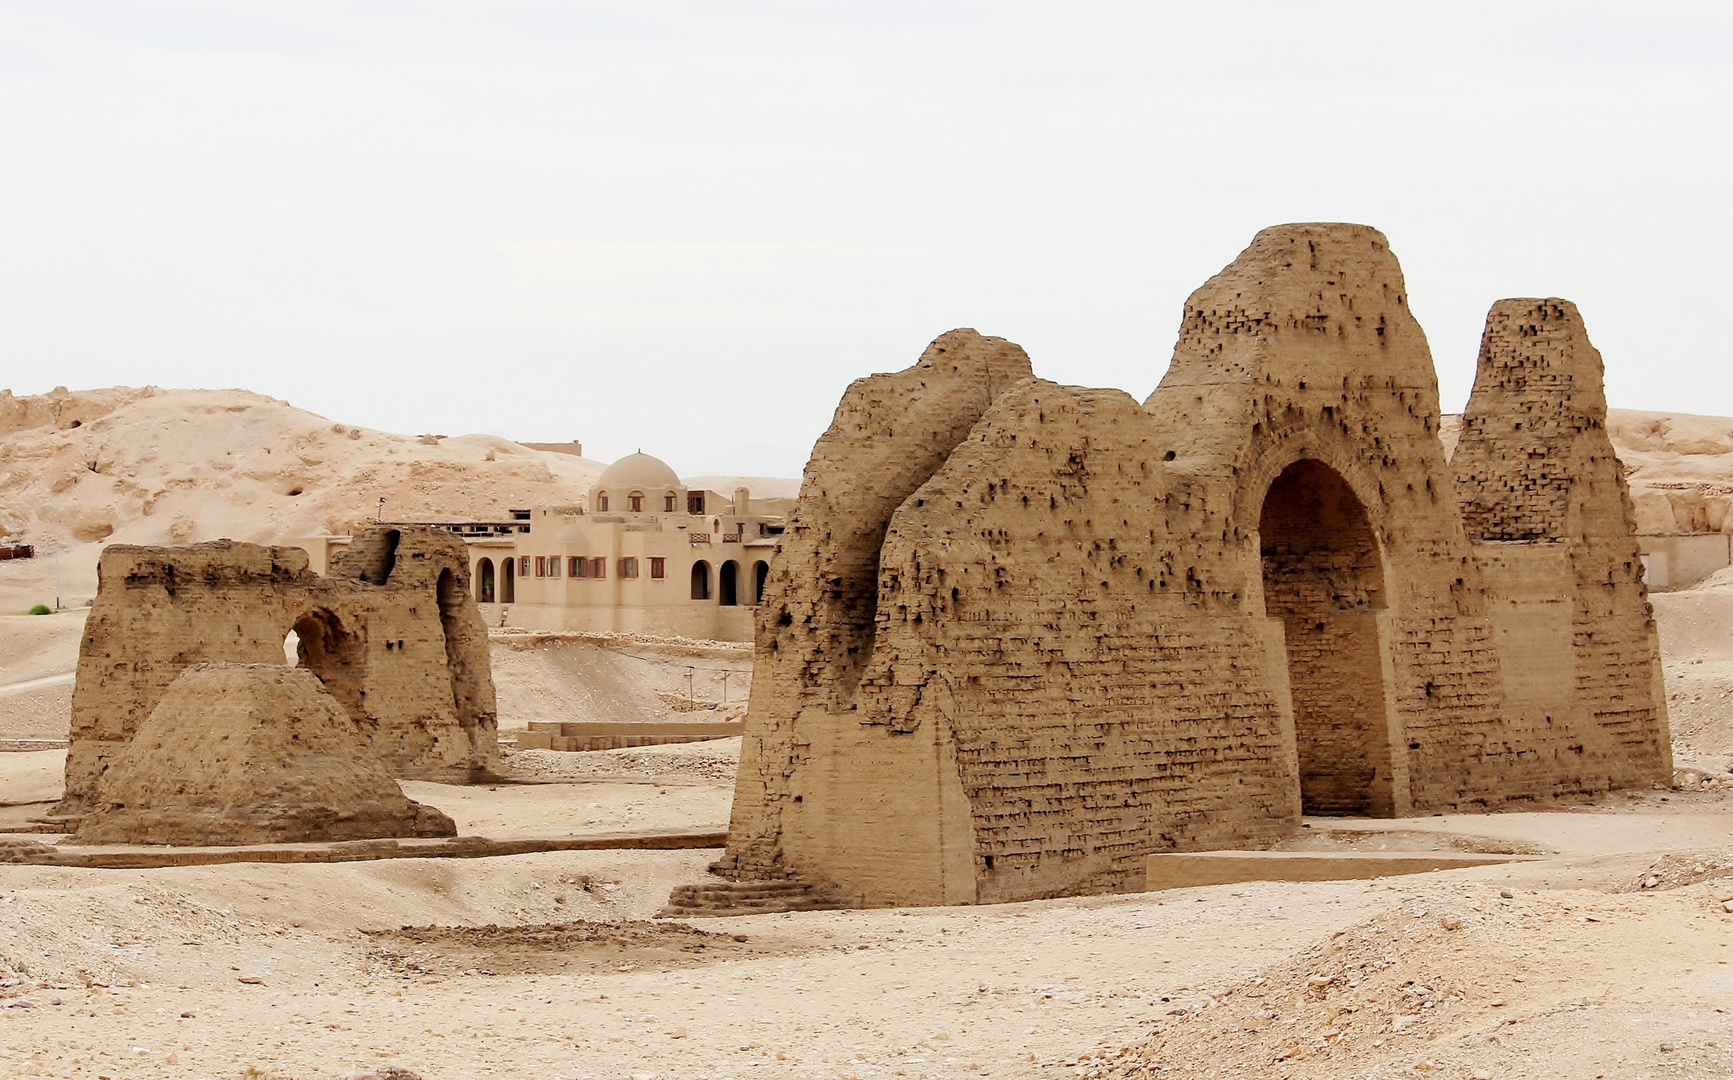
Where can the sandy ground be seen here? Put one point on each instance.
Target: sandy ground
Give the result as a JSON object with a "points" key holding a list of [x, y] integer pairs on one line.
{"points": [[617, 678], [549, 965]]}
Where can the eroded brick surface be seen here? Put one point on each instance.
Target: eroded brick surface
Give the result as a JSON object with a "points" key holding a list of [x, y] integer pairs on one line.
{"points": [[391, 632], [1100, 629]]}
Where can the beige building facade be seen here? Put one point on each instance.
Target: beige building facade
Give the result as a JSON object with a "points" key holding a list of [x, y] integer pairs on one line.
{"points": [[644, 554]]}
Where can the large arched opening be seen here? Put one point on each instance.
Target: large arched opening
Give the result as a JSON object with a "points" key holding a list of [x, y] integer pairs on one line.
{"points": [[1324, 578], [700, 580], [319, 642], [484, 581], [508, 581], [728, 584]]}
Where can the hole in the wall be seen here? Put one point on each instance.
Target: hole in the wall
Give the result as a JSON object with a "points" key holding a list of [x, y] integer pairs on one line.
{"points": [[319, 642], [384, 559]]}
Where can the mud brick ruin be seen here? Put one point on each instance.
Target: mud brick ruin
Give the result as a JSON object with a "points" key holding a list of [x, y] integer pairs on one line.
{"points": [[1021, 635], [250, 754], [391, 632]]}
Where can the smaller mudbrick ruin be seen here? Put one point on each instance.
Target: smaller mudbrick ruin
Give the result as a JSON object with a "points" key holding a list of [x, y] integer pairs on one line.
{"points": [[1020, 636], [250, 754], [391, 634]]}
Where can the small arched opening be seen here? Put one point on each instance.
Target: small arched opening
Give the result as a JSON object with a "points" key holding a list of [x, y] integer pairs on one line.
{"points": [[508, 580], [319, 642], [700, 580], [727, 584], [760, 575], [635, 502], [484, 590], [1323, 576]]}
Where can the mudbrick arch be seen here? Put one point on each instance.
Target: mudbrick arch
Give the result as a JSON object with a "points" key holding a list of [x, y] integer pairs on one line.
{"points": [[1020, 635]]}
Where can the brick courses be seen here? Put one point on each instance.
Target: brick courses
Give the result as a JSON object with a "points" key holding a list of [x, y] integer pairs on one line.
{"points": [[392, 632], [1022, 635]]}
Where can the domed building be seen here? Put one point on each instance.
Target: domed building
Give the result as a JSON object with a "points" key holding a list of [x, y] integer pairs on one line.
{"points": [[647, 553], [638, 483]]}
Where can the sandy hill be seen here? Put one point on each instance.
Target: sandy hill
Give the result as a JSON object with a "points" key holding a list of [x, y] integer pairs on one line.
{"points": [[156, 466]]}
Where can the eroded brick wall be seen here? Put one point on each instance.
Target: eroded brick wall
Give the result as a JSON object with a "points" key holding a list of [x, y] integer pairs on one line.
{"points": [[1090, 641], [816, 624], [416, 680], [1544, 498]]}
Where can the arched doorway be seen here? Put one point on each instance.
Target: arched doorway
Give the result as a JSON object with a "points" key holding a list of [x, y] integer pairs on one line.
{"points": [[321, 644], [484, 581], [700, 580], [1324, 578], [760, 574], [508, 581], [727, 582]]}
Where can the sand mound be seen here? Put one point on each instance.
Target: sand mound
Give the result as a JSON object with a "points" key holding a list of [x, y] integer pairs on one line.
{"points": [[1442, 984], [251, 754], [151, 466]]}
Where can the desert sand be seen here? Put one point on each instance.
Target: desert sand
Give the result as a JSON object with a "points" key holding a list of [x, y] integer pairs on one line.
{"points": [[1609, 958]]}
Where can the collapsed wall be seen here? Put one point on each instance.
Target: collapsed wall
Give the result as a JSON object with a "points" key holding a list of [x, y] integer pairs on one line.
{"points": [[1069, 631], [250, 754], [392, 633]]}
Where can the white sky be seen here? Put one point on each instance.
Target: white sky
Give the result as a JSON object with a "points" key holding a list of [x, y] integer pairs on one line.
{"points": [[686, 226]]}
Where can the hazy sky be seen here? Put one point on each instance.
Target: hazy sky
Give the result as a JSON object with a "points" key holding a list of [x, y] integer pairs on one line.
{"points": [[686, 226]]}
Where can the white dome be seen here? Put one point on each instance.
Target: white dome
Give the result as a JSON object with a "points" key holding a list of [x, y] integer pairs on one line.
{"points": [[639, 472]]}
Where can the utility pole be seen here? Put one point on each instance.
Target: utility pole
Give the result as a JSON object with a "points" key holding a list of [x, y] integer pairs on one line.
{"points": [[379, 515], [690, 698], [725, 675], [57, 585]]}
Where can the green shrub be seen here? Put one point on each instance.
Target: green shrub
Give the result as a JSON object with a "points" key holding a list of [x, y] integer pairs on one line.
{"points": [[41, 609]]}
